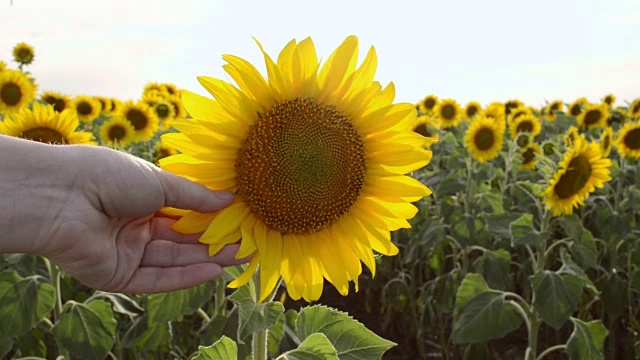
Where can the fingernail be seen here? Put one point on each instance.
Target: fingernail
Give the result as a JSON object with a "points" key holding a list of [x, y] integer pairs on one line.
{"points": [[225, 195]]}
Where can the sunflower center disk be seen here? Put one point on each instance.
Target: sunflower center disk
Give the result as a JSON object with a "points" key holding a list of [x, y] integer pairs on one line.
{"points": [[162, 110], [44, 135], [117, 133], [448, 112], [84, 108], [301, 166], [10, 94], [525, 126], [576, 177], [429, 104], [137, 119], [484, 139], [423, 130], [632, 139], [591, 117]]}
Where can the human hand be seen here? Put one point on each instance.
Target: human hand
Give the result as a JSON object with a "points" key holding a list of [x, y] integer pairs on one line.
{"points": [[100, 222]]}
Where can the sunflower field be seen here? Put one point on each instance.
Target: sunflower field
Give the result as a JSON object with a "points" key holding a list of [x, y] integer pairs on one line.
{"points": [[498, 231]]}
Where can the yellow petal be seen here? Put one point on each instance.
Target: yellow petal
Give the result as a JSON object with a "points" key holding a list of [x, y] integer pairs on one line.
{"points": [[250, 81], [292, 267], [248, 243], [198, 106], [227, 222], [340, 64], [231, 100], [247, 274], [276, 80], [193, 222], [269, 243]]}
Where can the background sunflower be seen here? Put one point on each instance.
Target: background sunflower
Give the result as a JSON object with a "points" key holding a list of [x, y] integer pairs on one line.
{"points": [[628, 141], [87, 108], [448, 113], [593, 116], [16, 91], [484, 139], [23, 53], [117, 132]]}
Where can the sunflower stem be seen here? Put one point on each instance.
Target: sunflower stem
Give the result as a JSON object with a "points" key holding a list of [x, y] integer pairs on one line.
{"points": [[259, 345], [618, 194], [221, 297], [54, 275]]}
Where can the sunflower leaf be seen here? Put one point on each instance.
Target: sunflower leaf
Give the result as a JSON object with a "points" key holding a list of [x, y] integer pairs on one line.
{"points": [[586, 340], [316, 347], [471, 286], [523, 232], [254, 317], [556, 296], [494, 265], [174, 305], [24, 302], [223, 349], [87, 331], [142, 336], [486, 316], [351, 339]]}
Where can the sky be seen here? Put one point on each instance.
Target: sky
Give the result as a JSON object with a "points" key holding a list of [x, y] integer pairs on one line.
{"points": [[490, 50]]}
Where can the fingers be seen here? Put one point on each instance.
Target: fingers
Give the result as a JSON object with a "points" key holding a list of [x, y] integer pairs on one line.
{"points": [[167, 254], [155, 279], [161, 229], [185, 194]]}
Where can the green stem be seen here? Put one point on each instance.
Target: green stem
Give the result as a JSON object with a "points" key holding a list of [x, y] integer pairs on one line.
{"points": [[54, 275], [221, 297], [533, 336], [550, 350], [259, 345], [467, 203], [616, 198], [203, 315]]}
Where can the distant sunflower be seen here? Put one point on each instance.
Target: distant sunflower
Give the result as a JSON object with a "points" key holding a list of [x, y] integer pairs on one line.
{"points": [[152, 98], [43, 124], [634, 109], [317, 157], [87, 108], [165, 113], [572, 135], [628, 141], [105, 104], [448, 113], [484, 139], [142, 118], [170, 89], [525, 123], [594, 115], [576, 107], [606, 141], [472, 109], [57, 100], [178, 107], [163, 151], [427, 127], [3, 65], [523, 139], [153, 87], [496, 111], [582, 170], [609, 100], [116, 106], [548, 148], [517, 112], [551, 110], [117, 132], [617, 115], [23, 53], [429, 103], [529, 156], [512, 105], [16, 91]]}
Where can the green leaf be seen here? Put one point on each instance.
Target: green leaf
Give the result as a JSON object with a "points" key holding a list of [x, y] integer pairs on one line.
{"points": [[469, 230], [143, 336], [24, 302], [614, 294], [274, 337], [5, 346], [572, 226], [223, 349], [494, 266], [570, 267], [492, 202], [584, 249], [586, 340], [172, 306], [87, 331], [252, 317], [471, 286], [499, 224], [451, 184], [351, 339], [121, 303], [523, 232], [315, 347], [213, 329], [487, 316], [556, 296]]}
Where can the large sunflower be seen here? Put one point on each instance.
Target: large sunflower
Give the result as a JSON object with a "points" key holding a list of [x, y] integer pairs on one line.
{"points": [[634, 109], [472, 110], [484, 139], [551, 110], [529, 156], [87, 108], [582, 170], [525, 123], [142, 118], [606, 141], [23, 53], [628, 141], [448, 113], [594, 115], [428, 103], [46, 125], [57, 100], [576, 107], [316, 156], [117, 132], [16, 91]]}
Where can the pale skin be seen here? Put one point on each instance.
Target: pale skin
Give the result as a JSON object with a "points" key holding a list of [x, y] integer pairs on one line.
{"points": [[94, 212]]}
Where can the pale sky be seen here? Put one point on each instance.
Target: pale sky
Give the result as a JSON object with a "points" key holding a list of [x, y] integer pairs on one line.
{"points": [[467, 50]]}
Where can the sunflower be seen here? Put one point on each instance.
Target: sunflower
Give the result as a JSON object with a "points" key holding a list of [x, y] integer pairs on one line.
{"points": [[170, 89], [165, 113], [57, 100], [575, 108], [16, 91], [3, 65], [117, 132], [142, 117], [163, 151], [617, 115], [548, 148], [46, 125], [628, 141], [87, 108], [152, 87], [484, 139], [472, 109], [594, 115], [428, 103], [116, 106], [23, 53], [105, 104], [316, 156], [151, 98], [512, 105], [609, 100], [572, 135], [550, 111], [634, 109], [525, 123], [582, 170], [517, 112], [529, 156], [427, 127], [178, 107], [448, 113], [606, 141]]}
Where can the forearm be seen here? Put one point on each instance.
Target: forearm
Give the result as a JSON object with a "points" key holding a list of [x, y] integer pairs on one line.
{"points": [[35, 183]]}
